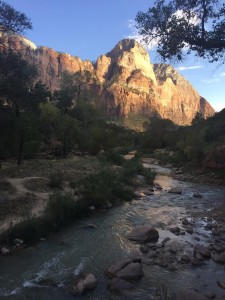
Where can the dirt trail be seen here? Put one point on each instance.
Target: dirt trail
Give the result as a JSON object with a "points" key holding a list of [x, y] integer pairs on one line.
{"points": [[21, 192]]}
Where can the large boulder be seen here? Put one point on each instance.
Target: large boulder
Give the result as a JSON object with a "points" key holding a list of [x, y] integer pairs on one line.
{"points": [[83, 284], [126, 269], [144, 234]]}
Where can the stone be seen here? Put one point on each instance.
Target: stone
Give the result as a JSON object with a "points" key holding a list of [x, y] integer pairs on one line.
{"points": [[143, 234], [118, 284], [126, 269], [18, 242], [185, 221], [219, 257], [221, 283], [84, 284], [5, 251], [189, 229], [197, 195], [202, 250], [175, 190], [175, 230], [144, 248]]}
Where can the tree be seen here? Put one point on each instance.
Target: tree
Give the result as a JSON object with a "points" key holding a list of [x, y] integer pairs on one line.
{"points": [[19, 99], [194, 25], [13, 20]]}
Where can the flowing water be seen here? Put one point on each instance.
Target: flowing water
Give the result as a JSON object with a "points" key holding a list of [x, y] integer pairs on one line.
{"points": [[42, 272]]}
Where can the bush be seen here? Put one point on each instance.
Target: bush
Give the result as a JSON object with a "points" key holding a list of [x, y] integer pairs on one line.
{"points": [[104, 187], [61, 208], [111, 157], [56, 180]]}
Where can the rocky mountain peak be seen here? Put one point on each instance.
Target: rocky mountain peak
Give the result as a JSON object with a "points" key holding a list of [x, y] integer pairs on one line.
{"points": [[127, 81]]}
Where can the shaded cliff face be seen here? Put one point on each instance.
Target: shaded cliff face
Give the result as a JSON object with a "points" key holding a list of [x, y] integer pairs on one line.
{"points": [[128, 82]]}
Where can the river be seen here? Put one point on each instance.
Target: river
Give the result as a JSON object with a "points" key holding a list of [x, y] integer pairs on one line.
{"points": [[78, 249]]}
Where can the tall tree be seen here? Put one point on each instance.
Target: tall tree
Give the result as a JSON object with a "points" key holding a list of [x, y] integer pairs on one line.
{"points": [[194, 25]]}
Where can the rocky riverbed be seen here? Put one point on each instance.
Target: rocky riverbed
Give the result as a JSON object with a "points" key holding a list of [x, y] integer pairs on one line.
{"points": [[168, 243]]}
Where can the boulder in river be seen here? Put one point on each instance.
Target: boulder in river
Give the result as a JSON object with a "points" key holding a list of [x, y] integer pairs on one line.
{"points": [[83, 284], [5, 251], [175, 190], [202, 250], [126, 269], [144, 234], [118, 284]]}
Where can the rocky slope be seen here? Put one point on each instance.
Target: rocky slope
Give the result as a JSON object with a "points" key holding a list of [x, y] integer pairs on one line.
{"points": [[128, 82]]}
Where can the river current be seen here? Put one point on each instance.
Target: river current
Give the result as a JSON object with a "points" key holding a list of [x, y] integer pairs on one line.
{"points": [[43, 272]]}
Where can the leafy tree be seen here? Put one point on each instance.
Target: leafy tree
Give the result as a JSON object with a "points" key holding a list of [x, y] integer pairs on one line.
{"points": [[13, 20], [60, 131], [195, 25]]}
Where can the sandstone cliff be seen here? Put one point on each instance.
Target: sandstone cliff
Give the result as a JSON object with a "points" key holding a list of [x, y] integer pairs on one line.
{"points": [[128, 82]]}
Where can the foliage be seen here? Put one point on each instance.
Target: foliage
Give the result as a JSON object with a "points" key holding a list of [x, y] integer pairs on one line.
{"points": [[104, 187], [13, 20], [56, 180], [175, 25]]}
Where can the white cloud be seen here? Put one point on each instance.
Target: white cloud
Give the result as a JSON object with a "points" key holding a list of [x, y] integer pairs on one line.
{"points": [[222, 74], [139, 38], [189, 68], [212, 80]]}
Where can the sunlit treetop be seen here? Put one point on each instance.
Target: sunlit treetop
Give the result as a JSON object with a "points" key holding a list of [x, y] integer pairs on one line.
{"points": [[183, 26], [13, 20]]}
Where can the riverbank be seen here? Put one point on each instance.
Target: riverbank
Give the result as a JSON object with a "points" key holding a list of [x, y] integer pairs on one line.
{"points": [[183, 222]]}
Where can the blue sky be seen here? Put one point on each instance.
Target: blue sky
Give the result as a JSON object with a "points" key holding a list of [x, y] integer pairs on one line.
{"points": [[89, 28]]}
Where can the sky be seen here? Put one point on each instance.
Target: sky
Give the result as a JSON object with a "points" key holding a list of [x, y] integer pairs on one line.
{"points": [[90, 28]]}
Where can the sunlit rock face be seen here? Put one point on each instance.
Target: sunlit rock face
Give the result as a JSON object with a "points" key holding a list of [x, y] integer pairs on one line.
{"points": [[178, 100], [126, 80]]}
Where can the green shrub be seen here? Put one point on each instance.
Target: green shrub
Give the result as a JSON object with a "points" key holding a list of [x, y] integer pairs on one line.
{"points": [[56, 180], [112, 157], [61, 208], [104, 187]]}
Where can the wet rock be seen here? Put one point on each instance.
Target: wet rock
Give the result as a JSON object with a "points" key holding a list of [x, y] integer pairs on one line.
{"points": [[209, 226], [189, 229], [5, 251], [165, 240], [221, 283], [127, 270], [144, 248], [185, 221], [148, 192], [195, 262], [219, 257], [202, 250], [18, 242], [119, 265], [83, 284], [91, 208], [218, 248], [182, 232], [197, 238], [172, 267], [175, 190], [152, 246], [144, 234], [118, 284], [185, 258], [138, 194], [175, 230], [193, 295], [197, 195]]}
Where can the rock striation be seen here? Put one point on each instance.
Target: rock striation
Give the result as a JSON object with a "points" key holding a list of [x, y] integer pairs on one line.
{"points": [[127, 81]]}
